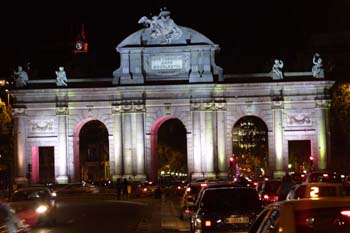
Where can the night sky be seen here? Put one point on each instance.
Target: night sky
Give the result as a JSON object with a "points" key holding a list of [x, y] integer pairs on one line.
{"points": [[250, 33]]}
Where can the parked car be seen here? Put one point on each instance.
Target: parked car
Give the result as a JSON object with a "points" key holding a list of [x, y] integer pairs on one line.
{"points": [[34, 205], [323, 215], [316, 190], [226, 209], [10, 222], [267, 190]]}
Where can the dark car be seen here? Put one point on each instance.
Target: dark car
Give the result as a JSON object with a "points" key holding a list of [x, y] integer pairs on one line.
{"points": [[267, 190], [35, 205], [226, 209], [77, 188]]}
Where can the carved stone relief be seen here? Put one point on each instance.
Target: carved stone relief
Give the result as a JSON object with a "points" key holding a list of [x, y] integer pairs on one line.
{"points": [[299, 119], [42, 126]]}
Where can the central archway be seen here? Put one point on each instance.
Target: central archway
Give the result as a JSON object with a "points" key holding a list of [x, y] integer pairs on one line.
{"points": [[250, 147], [91, 151], [168, 148]]}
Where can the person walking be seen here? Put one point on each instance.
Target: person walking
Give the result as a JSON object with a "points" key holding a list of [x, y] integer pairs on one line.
{"points": [[284, 187], [119, 188], [125, 184]]}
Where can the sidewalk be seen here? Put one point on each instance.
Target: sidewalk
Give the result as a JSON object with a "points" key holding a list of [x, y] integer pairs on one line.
{"points": [[170, 220]]}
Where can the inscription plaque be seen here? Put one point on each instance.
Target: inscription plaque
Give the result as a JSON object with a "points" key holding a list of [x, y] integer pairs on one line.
{"points": [[166, 63]]}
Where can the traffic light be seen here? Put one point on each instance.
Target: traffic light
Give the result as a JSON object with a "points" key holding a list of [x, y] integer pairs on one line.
{"points": [[232, 161]]}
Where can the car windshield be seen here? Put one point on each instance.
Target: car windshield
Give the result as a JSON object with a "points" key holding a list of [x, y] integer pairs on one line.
{"points": [[322, 220], [223, 199], [30, 195]]}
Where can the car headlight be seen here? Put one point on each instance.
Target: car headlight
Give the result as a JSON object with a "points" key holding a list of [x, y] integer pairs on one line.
{"points": [[41, 209], [54, 194]]}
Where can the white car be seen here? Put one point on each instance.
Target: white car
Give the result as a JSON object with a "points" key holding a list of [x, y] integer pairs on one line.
{"points": [[321, 215]]}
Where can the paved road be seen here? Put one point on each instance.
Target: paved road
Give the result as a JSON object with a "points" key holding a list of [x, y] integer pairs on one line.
{"points": [[103, 213]]}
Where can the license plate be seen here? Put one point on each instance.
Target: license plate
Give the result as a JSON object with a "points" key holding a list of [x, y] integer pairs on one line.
{"points": [[234, 220]]}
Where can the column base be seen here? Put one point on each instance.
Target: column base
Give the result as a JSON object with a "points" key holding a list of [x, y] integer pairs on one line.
{"points": [[279, 174], [21, 180], [222, 175], [197, 175], [116, 177], [62, 179], [140, 177]]}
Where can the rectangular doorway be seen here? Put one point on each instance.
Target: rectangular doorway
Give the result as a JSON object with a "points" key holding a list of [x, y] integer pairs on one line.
{"points": [[46, 165], [299, 152]]}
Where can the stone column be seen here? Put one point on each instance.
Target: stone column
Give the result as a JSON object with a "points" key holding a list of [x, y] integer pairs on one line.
{"points": [[127, 145], [197, 149], [61, 159], [117, 143], [20, 162], [208, 143], [322, 107], [220, 125], [140, 142], [277, 114]]}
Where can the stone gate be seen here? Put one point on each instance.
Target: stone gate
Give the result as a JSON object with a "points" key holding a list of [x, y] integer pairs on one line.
{"points": [[168, 72]]}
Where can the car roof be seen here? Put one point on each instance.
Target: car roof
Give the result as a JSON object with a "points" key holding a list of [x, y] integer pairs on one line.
{"points": [[308, 203], [320, 184]]}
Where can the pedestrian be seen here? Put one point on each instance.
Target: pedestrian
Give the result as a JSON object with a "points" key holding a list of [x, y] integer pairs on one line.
{"points": [[119, 188], [125, 184], [284, 187]]}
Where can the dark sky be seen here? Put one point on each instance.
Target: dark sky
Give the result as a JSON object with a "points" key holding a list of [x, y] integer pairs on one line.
{"points": [[250, 33]]}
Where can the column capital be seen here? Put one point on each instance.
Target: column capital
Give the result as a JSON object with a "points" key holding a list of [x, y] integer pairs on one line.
{"points": [[128, 106], [277, 104], [322, 103], [19, 111], [208, 105], [61, 110]]}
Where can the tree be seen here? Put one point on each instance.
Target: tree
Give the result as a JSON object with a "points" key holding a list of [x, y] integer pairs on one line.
{"points": [[340, 127], [170, 159], [5, 116]]}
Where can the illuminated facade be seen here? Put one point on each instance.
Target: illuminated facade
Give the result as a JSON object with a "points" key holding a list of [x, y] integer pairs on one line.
{"points": [[160, 80]]}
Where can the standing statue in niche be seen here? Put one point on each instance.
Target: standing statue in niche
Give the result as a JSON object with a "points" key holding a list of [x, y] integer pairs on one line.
{"points": [[161, 27], [61, 79], [317, 68], [277, 73], [21, 77]]}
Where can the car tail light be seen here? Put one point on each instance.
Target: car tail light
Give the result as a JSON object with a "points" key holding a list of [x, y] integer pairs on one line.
{"points": [[270, 198], [204, 185], [207, 223], [179, 187], [345, 213], [187, 211], [144, 189]]}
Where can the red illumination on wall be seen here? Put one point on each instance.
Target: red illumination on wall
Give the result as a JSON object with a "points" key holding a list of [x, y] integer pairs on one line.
{"points": [[35, 164]]}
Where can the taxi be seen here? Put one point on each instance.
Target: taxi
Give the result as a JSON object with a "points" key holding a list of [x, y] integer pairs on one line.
{"points": [[315, 190], [321, 215]]}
